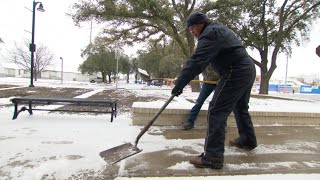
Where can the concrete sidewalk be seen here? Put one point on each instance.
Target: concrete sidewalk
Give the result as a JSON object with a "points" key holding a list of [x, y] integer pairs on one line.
{"points": [[282, 149], [231, 177]]}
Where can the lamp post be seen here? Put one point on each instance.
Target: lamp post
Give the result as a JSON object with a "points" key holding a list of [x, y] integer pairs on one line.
{"points": [[286, 77], [61, 70], [32, 46]]}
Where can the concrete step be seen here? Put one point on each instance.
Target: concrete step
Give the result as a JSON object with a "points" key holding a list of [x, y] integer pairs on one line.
{"points": [[173, 117]]}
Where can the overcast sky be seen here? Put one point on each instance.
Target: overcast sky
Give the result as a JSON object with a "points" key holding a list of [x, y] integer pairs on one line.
{"points": [[56, 30]]}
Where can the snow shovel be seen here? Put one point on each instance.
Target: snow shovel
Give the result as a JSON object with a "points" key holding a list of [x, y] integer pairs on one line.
{"points": [[118, 153]]}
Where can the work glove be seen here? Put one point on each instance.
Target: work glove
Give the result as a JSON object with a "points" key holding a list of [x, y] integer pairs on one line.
{"points": [[176, 91]]}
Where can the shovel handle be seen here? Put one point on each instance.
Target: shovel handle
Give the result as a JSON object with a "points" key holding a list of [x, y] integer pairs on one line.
{"points": [[145, 129]]}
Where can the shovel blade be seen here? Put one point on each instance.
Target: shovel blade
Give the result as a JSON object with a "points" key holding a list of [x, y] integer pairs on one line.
{"points": [[118, 153]]}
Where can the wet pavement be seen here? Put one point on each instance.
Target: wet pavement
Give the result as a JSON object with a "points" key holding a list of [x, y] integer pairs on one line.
{"points": [[282, 149]]}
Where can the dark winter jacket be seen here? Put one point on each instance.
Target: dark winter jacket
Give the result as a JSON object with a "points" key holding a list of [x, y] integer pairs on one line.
{"points": [[217, 46]]}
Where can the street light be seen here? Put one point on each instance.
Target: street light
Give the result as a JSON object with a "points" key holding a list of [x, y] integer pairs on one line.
{"points": [[61, 70], [32, 46], [286, 77]]}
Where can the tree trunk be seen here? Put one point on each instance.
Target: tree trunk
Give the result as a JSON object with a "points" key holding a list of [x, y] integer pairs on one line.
{"points": [[104, 79], [136, 76], [264, 84], [35, 75], [265, 73], [195, 87], [109, 76], [128, 74]]}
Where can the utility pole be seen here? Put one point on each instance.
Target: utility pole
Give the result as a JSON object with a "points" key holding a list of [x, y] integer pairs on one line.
{"points": [[285, 81], [91, 31], [117, 55]]}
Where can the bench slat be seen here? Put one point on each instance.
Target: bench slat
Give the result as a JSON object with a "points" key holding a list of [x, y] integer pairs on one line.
{"points": [[38, 99]]}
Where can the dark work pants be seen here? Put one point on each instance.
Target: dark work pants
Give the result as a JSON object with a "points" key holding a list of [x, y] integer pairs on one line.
{"points": [[232, 94], [206, 90]]}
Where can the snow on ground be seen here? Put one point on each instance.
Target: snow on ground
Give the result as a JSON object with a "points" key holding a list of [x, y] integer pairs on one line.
{"points": [[60, 145]]}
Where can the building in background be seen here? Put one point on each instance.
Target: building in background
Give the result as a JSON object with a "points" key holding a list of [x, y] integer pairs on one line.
{"points": [[12, 70]]}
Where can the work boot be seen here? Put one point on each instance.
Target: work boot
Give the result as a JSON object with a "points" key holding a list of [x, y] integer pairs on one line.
{"points": [[246, 146], [186, 125], [203, 162]]}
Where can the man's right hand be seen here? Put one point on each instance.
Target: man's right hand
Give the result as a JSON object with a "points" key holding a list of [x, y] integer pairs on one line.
{"points": [[176, 91]]}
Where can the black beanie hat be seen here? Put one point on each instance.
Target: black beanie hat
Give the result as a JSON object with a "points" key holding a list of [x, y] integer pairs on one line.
{"points": [[196, 18]]}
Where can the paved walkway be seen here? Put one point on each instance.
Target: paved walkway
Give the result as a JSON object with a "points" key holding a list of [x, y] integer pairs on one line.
{"points": [[281, 149]]}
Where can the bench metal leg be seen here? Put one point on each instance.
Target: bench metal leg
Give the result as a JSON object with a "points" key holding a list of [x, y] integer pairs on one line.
{"points": [[111, 116], [113, 111], [30, 108], [15, 113]]}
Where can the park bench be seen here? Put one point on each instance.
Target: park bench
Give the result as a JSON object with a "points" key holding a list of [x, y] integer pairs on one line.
{"points": [[31, 101]]}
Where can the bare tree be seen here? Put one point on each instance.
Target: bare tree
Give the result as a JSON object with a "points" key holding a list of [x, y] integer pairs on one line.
{"points": [[301, 79], [312, 79], [22, 57]]}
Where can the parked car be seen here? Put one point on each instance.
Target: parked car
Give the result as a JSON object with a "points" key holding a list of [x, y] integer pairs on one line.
{"points": [[96, 79]]}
